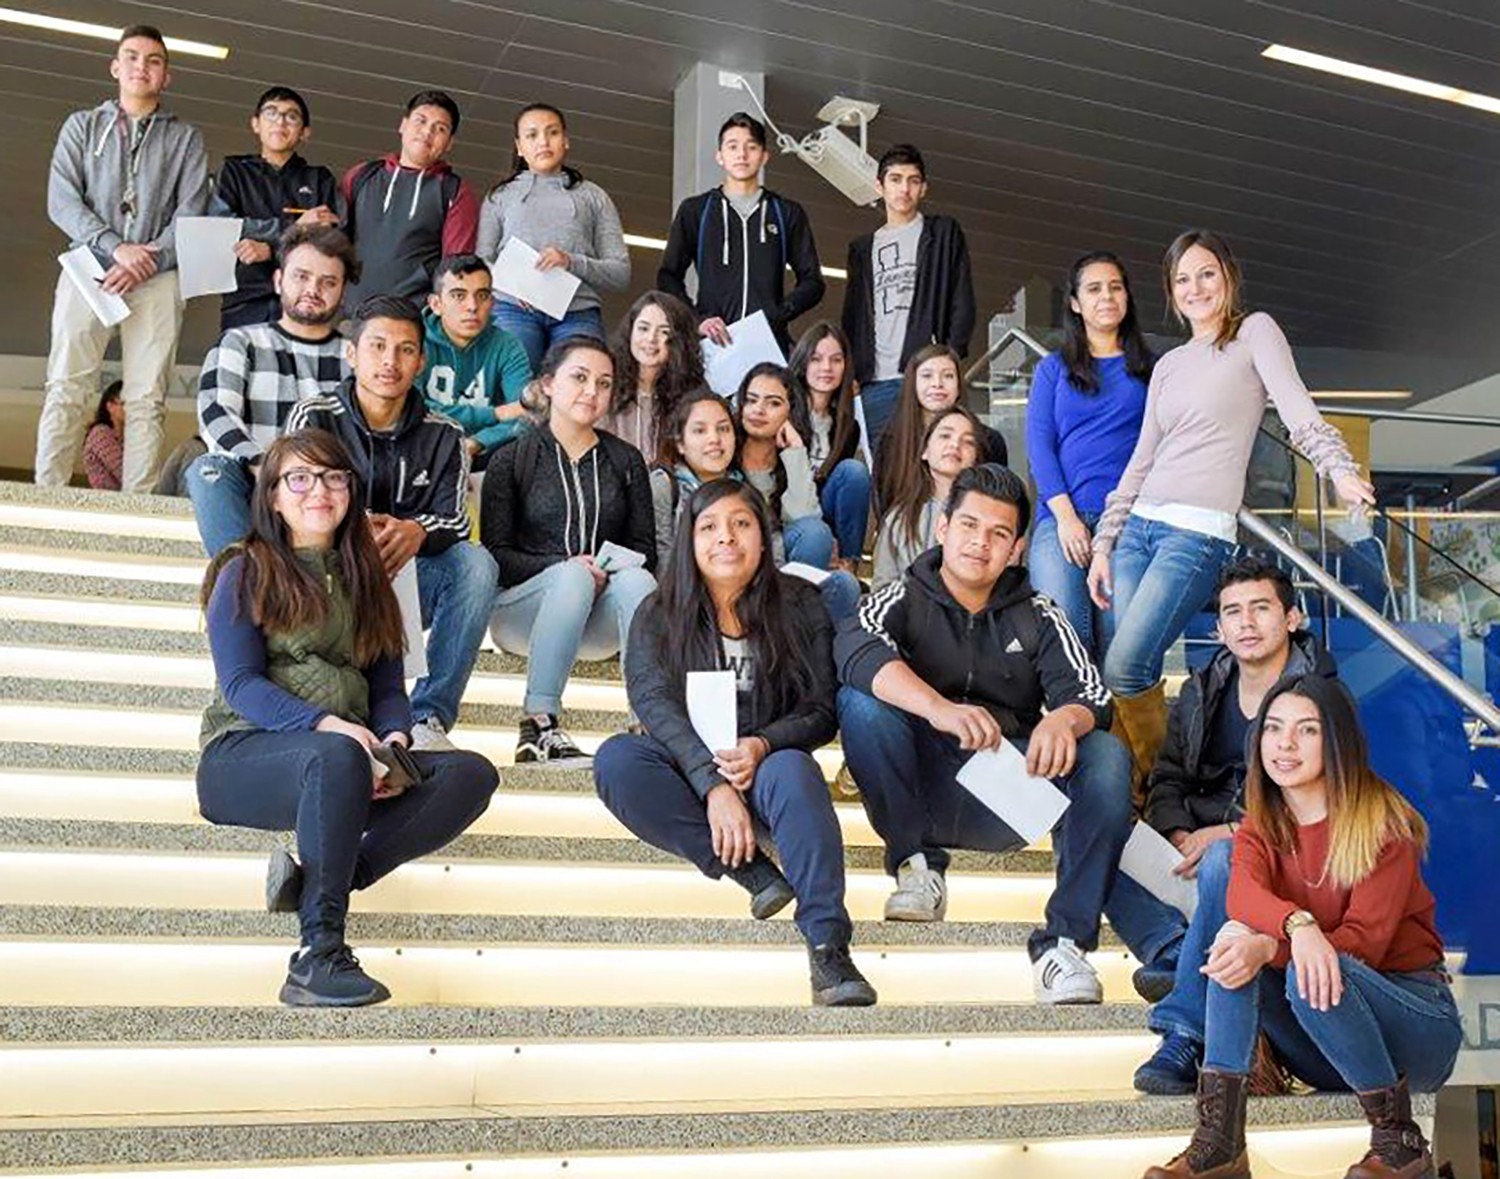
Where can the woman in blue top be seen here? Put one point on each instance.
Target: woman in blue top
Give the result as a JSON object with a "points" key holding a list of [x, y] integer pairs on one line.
{"points": [[1082, 422]]}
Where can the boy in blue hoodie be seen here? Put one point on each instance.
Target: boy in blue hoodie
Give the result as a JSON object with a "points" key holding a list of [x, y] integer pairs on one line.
{"points": [[475, 371]]}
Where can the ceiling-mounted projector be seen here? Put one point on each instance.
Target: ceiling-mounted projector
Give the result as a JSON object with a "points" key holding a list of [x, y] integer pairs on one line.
{"points": [[829, 152]]}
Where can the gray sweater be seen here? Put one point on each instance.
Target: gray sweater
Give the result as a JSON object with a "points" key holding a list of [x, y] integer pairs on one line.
{"points": [[581, 221], [894, 550], [799, 500], [91, 168]]}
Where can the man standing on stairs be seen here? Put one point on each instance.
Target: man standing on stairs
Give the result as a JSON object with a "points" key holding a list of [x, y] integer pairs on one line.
{"points": [[1196, 796], [961, 655], [122, 174], [415, 470]]}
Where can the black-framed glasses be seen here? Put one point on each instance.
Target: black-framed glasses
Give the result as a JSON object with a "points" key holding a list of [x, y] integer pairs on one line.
{"points": [[290, 118], [300, 481]]}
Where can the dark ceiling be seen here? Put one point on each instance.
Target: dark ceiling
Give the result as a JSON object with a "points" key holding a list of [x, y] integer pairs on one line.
{"points": [[1365, 217]]}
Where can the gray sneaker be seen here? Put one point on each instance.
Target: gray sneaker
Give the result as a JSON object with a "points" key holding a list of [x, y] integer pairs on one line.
{"points": [[429, 736], [921, 893]]}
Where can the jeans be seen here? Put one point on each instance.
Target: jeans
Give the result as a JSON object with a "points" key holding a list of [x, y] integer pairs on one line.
{"points": [[1163, 576], [1387, 1026], [1150, 928], [906, 772], [845, 498], [1067, 585], [538, 331], [457, 589], [319, 784], [809, 541], [219, 486], [555, 617], [879, 401], [1183, 1010], [642, 787]]}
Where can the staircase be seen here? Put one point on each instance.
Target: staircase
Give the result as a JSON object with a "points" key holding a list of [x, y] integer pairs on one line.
{"points": [[568, 1001]]}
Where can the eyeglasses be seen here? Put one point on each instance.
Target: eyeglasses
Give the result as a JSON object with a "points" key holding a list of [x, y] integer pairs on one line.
{"points": [[300, 482], [272, 114]]}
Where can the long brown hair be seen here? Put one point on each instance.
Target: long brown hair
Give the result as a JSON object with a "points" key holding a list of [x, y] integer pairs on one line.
{"points": [[899, 463], [278, 592], [1365, 812], [669, 446], [1234, 283], [683, 371], [844, 440], [910, 501]]}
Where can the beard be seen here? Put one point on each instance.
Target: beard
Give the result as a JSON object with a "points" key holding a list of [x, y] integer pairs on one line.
{"points": [[322, 319]]}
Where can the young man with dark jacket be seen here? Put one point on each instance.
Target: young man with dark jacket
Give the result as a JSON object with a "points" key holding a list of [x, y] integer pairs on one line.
{"points": [[958, 656], [1196, 792], [415, 471], [272, 190], [909, 285], [409, 209], [740, 238]]}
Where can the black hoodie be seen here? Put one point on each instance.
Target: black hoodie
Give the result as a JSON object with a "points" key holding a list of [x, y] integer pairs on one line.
{"points": [[1187, 793], [418, 471], [1015, 655]]}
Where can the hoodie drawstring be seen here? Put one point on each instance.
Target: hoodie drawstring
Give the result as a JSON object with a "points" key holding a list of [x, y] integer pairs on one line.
{"points": [[391, 191], [416, 194], [724, 208]]}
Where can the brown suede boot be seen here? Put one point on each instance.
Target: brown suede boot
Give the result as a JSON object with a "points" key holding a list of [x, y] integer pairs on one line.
{"points": [[1217, 1150], [1141, 723], [1397, 1148]]}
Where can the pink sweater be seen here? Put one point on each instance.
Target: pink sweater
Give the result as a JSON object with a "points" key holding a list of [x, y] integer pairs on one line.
{"points": [[1202, 412], [103, 455]]}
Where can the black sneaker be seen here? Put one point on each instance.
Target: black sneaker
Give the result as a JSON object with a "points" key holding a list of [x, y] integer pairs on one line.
{"points": [[283, 883], [330, 978], [768, 888], [1154, 981], [545, 741], [836, 981]]}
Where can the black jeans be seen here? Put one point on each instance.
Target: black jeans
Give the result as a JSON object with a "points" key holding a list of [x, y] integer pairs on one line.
{"points": [[319, 784]]}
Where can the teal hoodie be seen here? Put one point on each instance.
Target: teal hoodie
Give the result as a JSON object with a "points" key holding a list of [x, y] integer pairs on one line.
{"points": [[467, 383]]}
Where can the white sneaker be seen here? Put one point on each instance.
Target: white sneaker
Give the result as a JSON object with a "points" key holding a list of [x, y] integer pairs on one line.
{"points": [[1063, 975], [921, 893], [429, 736]]}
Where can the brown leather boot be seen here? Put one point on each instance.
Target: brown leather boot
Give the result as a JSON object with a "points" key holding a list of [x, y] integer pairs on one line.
{"points": [[1397, 1148], [1217, 1150], [1141, 723]]}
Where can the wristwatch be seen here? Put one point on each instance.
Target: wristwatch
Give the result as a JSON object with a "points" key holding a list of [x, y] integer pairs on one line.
{"points": [[1296, 920]]}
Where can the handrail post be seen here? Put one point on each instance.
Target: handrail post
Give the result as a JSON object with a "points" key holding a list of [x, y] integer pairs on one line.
{"points": [[1412, 600], [1322, 541]]}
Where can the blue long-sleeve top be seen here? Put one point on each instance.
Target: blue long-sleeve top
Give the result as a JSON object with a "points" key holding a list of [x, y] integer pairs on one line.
{"points": [[1079, 443], [241, 662]]}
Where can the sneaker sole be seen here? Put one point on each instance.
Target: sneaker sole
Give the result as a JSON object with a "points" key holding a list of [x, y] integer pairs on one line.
{"points": [[770, 901], [283, 884], [297, 996], [1071, 1001], [1158, 1085], [931, 915], [846, 994], [1152, 990]]}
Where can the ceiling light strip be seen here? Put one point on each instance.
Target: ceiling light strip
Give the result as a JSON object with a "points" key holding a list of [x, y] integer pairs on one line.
{"points": [[80, 28], [642, 242], [1377, 77]]}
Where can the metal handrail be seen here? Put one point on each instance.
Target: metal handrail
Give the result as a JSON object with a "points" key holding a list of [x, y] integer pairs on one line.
{"points": [[1466, 695], [1012, 335], [1408, 415]]}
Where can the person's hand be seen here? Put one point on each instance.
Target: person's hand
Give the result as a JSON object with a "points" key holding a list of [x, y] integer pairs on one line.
{"points": [[552, 258], [1192, 845], [729, 826], [510, 411], [472, 445], [1076, 540], [249, 252], [716, 330], [787, 436], [974, 727], [738, 765], [319, 215], [397, 737], [334, 724], [1101, 583], [1319, 980], [1235, 959], [138, 259], [1354, 492], [397, 540], [1053, 747], [601, 578], [118, 281]]}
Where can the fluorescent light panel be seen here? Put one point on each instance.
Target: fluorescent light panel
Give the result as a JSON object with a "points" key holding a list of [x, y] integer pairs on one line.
{"points": [[1377, 77], [80, 28], [656, 243], [1363, 395]]}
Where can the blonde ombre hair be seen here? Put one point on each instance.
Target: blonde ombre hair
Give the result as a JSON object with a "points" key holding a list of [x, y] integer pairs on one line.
{"points": [[1365, 812]]}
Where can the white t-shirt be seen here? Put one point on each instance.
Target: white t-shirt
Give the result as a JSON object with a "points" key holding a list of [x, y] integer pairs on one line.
{"points": [[893, 264], [737, 658]]}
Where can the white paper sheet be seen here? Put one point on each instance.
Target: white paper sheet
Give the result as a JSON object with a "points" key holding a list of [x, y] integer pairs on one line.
{"points": [[1028, 806], [1148, 859], [864, 435], [613, 557], [405, 585], [713, 708], [751, 342], [807, 572], [515, 274], [83, 268], [205, 254]]}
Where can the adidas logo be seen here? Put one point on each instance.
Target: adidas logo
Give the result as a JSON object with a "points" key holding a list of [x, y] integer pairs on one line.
{"points": [[1014, 647], [421, 480]]}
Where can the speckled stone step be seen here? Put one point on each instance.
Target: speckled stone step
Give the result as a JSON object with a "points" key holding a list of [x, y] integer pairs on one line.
{"points": [[86, 499], [100, 544]]}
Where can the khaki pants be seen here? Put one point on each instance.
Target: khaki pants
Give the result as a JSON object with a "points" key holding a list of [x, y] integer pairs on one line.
{"points": [[148, 347]]}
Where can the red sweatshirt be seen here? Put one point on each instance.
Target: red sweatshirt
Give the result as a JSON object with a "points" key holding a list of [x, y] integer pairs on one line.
{"points": [[1386, 920]]}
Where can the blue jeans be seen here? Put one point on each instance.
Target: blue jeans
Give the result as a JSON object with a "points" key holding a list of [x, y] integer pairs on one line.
{"points": [[1183, 1010], [907, 776], [318, 784], [1388, 1026], [457, 589], [219, 486], [810, 542], [538, 331], [845, 498], [1067, 585], [1163, 576], [555, 618], [879, 401], [643, 788]]}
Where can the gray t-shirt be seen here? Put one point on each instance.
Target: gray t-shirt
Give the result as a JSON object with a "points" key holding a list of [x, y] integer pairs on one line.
{"points": [[893, 261], [737, 658], [744, 205]]}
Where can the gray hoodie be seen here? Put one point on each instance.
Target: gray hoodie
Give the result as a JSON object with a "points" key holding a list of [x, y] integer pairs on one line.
{"points": [[90, 174]]}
